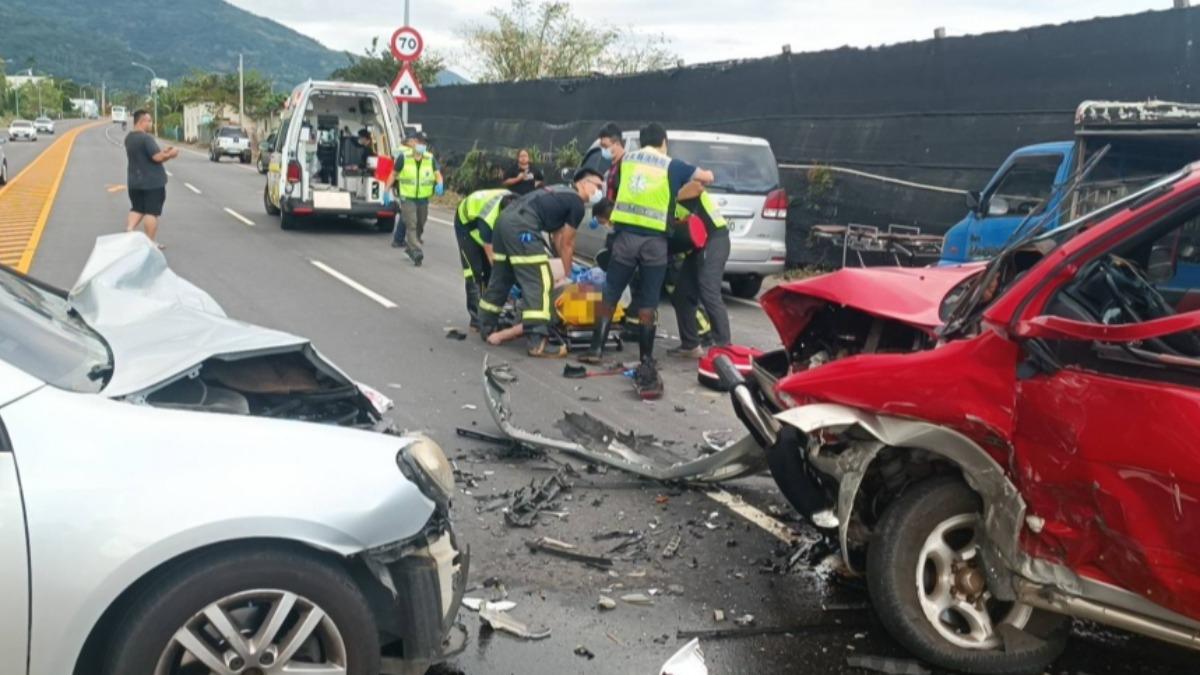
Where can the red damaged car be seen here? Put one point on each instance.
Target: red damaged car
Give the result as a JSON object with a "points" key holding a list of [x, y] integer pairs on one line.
{"points": [[1000, 448]]}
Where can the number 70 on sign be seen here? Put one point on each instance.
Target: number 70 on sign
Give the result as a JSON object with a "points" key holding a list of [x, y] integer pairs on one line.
{"points": [[407, 44]]}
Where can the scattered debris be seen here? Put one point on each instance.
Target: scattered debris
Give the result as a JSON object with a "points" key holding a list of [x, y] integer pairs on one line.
{"points": [[455, 334], [480, 436], [470, 406], [503, 373], [661, 499], [884, 664], [574, 372], [718, 615], [564, 550], [591, 399], [474, 604], [528, 502], [606, 602], [751, 631], [501, 621], [745, 620], [586, 653], [674, 589], [689, 660], [680, 409], [393, 385], [718, 439], [637, 599], [615, 640], [672, 547]]}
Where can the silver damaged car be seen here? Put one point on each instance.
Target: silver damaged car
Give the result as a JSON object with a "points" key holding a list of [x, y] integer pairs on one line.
{"points": [[184, 493]]}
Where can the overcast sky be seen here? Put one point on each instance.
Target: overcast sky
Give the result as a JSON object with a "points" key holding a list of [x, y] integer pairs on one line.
{"points": [[720, 31]]}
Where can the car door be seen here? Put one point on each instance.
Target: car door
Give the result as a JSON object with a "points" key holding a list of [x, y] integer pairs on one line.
{"points": [[1107, 433]]}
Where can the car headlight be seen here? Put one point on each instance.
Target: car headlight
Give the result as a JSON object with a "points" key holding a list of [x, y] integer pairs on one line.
{"points": [[431, 461]]}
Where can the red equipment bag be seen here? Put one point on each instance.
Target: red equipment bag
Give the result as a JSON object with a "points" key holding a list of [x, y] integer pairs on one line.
{"points": [[740, 356]]}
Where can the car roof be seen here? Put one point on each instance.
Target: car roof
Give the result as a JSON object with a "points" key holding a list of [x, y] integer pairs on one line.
{"points": [[707, 136], [22, 122], [342, 86]]}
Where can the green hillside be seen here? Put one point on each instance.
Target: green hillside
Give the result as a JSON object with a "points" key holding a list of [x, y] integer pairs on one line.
{"points": [[89, 41]]}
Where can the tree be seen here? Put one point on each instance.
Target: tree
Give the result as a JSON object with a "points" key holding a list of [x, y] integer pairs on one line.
{"points": [[378, 66], [531, 40]]}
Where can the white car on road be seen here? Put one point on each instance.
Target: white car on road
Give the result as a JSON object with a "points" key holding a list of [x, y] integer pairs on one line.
{"points": [[184, 493], [44, 125], [22, 129]]}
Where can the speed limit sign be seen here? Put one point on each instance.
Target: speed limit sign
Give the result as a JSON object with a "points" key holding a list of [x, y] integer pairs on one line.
{"points": [[407, 44]]}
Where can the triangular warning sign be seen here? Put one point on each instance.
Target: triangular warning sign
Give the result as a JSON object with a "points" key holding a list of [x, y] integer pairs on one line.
{"points": [[406, 89]]}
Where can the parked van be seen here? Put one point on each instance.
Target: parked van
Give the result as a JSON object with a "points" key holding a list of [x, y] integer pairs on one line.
{"points": [[746, 190], [318, 166], [119, 115]]}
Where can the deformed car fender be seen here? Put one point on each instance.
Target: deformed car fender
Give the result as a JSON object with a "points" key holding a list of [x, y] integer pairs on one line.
{"points": [[1004, 508]]}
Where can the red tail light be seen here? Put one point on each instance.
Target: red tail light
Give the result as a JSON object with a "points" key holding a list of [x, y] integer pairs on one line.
{"points": [[293, 172], [776, 206]]}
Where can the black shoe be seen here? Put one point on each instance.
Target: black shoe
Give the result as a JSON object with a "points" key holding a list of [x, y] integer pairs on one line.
{"points": [[646, 335], [647, 382], [595, 353]]}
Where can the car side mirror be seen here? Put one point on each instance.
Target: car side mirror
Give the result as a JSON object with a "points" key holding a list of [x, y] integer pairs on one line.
{"points": [[973, 201], [1060, 328], [997, 206]]}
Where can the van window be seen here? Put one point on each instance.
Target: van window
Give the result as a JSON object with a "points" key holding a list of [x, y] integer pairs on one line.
{"points": [[1026, 183], [232, 132], [737, 167]]}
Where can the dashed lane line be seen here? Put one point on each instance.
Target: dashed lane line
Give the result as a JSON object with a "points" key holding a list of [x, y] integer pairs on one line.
{"points": [[387, 304], [27, 199], [238, 216], [763, 520], [193, 188]]}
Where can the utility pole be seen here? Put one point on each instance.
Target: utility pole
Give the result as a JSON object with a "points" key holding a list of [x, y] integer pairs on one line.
{"points": [[153, 92], [404, 106], [103, 93], [241, 95]]}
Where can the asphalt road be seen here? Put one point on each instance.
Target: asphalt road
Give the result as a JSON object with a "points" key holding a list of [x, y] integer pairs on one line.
{"points": [[218, 236], [21, 153]]}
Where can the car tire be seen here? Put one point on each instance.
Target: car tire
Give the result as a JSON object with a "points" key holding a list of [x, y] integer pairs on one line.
{"points": [[286, 221], [245, 158], [262, 168], [4, 173], [244, 587], [746, 286], [897, 557], [271, 209]]}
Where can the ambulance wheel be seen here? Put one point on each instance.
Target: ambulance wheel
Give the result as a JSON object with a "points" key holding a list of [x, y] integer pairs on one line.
{"points": [[746, 287], [271, 209]]}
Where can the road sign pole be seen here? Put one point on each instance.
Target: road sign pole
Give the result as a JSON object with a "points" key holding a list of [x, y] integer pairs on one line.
{"points": [[404, 106]]}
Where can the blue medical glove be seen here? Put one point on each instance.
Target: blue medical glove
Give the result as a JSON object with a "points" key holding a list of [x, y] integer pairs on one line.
{"points": [[439, 190]]}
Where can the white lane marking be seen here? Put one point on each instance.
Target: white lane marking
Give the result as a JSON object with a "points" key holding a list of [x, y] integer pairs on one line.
{"points": [[387, 304], [441, 220], [193, 188], [743, 301], [169, 174], [739, 506], [239, 216]]}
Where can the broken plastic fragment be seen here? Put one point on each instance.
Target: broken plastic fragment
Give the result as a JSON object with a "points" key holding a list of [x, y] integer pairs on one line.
{"points": [[637, 599], [745, 620], [687, 661], [718, 615], [501, 621], [586, 653], [606, 602], [475, 604]]}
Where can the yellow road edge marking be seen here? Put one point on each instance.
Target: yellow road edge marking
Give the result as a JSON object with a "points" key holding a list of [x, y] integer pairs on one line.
{"points": [[40, 226]]}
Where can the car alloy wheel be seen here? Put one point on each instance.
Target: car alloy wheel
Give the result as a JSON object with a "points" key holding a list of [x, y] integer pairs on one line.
{"points": [[952, 588], [256, 632]]}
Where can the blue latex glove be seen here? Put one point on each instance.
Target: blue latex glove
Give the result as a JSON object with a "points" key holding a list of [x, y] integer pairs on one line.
{"points": [[439, 190], [526, 237], [594, 224]]}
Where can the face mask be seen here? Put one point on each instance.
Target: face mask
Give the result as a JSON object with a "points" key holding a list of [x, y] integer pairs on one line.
{"points": [[596, 197], [421, 149], [606, 153]]}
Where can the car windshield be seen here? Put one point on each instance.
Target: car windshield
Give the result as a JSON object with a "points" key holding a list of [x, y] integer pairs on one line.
{"points": [[231, 132], [738, 167], [22, 123], [43, 119], [41, 335]]}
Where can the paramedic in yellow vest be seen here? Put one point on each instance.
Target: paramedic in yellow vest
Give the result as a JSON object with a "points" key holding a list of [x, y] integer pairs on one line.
{"points": [[644, 210], [473, 223], [417, 178], [699, 283]]}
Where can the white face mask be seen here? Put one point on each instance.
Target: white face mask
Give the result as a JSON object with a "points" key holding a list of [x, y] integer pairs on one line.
{"points": [[421, 149], [597, 195], [606, 153]]}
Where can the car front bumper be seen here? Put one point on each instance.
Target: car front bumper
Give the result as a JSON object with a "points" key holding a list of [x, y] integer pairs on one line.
{"points": [[232, 151]]}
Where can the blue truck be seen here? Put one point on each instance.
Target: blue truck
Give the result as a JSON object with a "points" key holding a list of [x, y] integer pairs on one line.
{"points": [[1145, 141]]}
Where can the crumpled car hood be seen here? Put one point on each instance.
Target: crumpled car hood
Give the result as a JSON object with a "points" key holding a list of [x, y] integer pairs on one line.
{"points": [[911, 295], [158, 325]]}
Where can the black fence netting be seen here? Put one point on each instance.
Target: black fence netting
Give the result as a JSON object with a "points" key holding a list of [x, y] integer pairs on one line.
{"points": [[942, 112]]}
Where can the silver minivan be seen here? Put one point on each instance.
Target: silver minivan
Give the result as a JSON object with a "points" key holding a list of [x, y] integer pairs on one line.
{"points": [[747, 191], [317, 166]]}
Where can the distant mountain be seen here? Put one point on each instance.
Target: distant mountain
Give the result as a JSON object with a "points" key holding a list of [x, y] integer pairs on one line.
{"points": [[448, 78], [93, 40]]}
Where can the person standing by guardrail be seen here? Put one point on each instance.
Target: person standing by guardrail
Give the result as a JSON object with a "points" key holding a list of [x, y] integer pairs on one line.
{"points": [[524, 177], [146, 178]]}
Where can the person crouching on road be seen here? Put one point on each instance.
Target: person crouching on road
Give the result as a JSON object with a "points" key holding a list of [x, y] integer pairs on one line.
{"points": [[473, 223], [700, 278], [521, 256], [645, 203], [418, 177], [146, 178]]}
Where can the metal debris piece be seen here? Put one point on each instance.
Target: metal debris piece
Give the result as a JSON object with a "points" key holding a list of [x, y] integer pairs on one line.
{"points": [[455, 334], [718, 439], [637, 599], [501, 621], [742, 458], [606, 602], [474, 604], [527, 502], [794, 629], [689, 660], [586, 653], [568, 551], [884, 664], [672, 547], [674, 589], [718, 615], [480, 436], [504, 374], [745, 620]]}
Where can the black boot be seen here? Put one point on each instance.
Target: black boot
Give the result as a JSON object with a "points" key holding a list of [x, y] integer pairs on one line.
{"points": [[646, 335], [595, 353], [646, 380]]}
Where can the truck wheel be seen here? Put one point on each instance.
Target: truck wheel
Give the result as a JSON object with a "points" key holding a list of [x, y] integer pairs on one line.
{"points": [[287, 221], [245, 158], [271, 209], [248, 611], [746, 286], [927, 586]]}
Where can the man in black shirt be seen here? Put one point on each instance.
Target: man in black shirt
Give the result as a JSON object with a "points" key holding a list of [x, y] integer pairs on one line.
{"points": [[146, 179], [521, 257], [524, 177]]}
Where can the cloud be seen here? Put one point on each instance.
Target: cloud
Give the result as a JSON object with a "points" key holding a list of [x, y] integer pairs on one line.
{"points": [[732, 31]]}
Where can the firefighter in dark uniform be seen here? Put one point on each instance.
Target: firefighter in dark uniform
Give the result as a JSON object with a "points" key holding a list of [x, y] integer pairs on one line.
{"points": [[473, 223], [699, 281], [521, 256]]}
